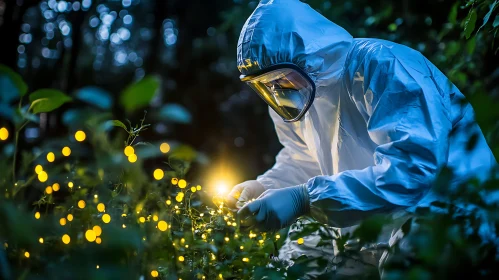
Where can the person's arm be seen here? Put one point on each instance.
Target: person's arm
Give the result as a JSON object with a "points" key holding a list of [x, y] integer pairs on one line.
{"points": [[294, 163], [408, 119]]}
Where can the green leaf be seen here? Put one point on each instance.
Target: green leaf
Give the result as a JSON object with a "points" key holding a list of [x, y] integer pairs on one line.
{"points": [[469, 23], [95, 96], [47, 100], [453, 13], [305, 231], [496, 22], [16, 79], [470, 45], [487, 16], [119, 124], [370, 228], [184, 152], [139, 95], [174, 113]]}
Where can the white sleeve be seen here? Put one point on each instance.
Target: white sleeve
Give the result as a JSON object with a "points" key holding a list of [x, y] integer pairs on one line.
{"points": [[294, 164], [409, 121]]}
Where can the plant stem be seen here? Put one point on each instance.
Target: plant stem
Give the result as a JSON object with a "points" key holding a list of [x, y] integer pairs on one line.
{"points": [[15, 151]]}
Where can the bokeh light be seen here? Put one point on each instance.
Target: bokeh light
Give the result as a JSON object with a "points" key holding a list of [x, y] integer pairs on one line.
{"points": [[50, 157], [66, 151], [182, 183], [97, 230], [106, 218], [129, 150], [38, 169], [66, 239], [43, 176], [4, 134], [132, 158], [162, 225], [80, 136], [90, 235], [221, 187], [81, 204], [158, 174], [164, 148], [101, 207]]}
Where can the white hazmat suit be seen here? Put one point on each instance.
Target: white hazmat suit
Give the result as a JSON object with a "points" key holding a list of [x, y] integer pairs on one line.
{"points": [[383, 122]]}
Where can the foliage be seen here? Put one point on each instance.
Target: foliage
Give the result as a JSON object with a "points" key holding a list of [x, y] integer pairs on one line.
{"points": [[122, 219]]}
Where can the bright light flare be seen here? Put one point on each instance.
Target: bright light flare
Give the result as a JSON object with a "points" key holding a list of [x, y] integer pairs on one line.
{"points": [[221, 187]]}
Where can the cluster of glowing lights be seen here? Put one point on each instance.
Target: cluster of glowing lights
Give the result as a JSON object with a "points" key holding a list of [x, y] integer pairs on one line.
{"points": [[93, 234], [42, 175], [179, 197], [129, 152], [90, 235]]}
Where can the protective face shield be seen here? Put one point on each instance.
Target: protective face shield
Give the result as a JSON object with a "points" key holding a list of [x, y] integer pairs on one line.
{"points": [[287, 89]]}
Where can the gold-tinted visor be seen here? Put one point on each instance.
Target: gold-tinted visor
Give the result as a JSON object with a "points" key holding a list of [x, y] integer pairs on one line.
{"points": [[286, 89]]}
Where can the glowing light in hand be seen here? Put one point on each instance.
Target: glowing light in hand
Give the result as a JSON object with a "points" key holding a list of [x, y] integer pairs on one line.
{"points": [[222, 187]]}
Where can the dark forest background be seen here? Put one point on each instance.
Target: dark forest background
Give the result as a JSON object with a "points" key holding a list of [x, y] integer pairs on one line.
{"points": [[93, 49]]}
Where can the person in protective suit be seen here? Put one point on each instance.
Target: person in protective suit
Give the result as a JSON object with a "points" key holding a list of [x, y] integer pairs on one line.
{"points": [[366, 124]]}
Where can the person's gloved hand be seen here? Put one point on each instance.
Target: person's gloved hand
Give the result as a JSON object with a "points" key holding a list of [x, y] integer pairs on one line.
{"points": [[275, 209], [243, 193]]}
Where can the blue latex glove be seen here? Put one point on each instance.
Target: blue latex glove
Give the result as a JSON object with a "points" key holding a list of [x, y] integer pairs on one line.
{"points": [[275, 209]]}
